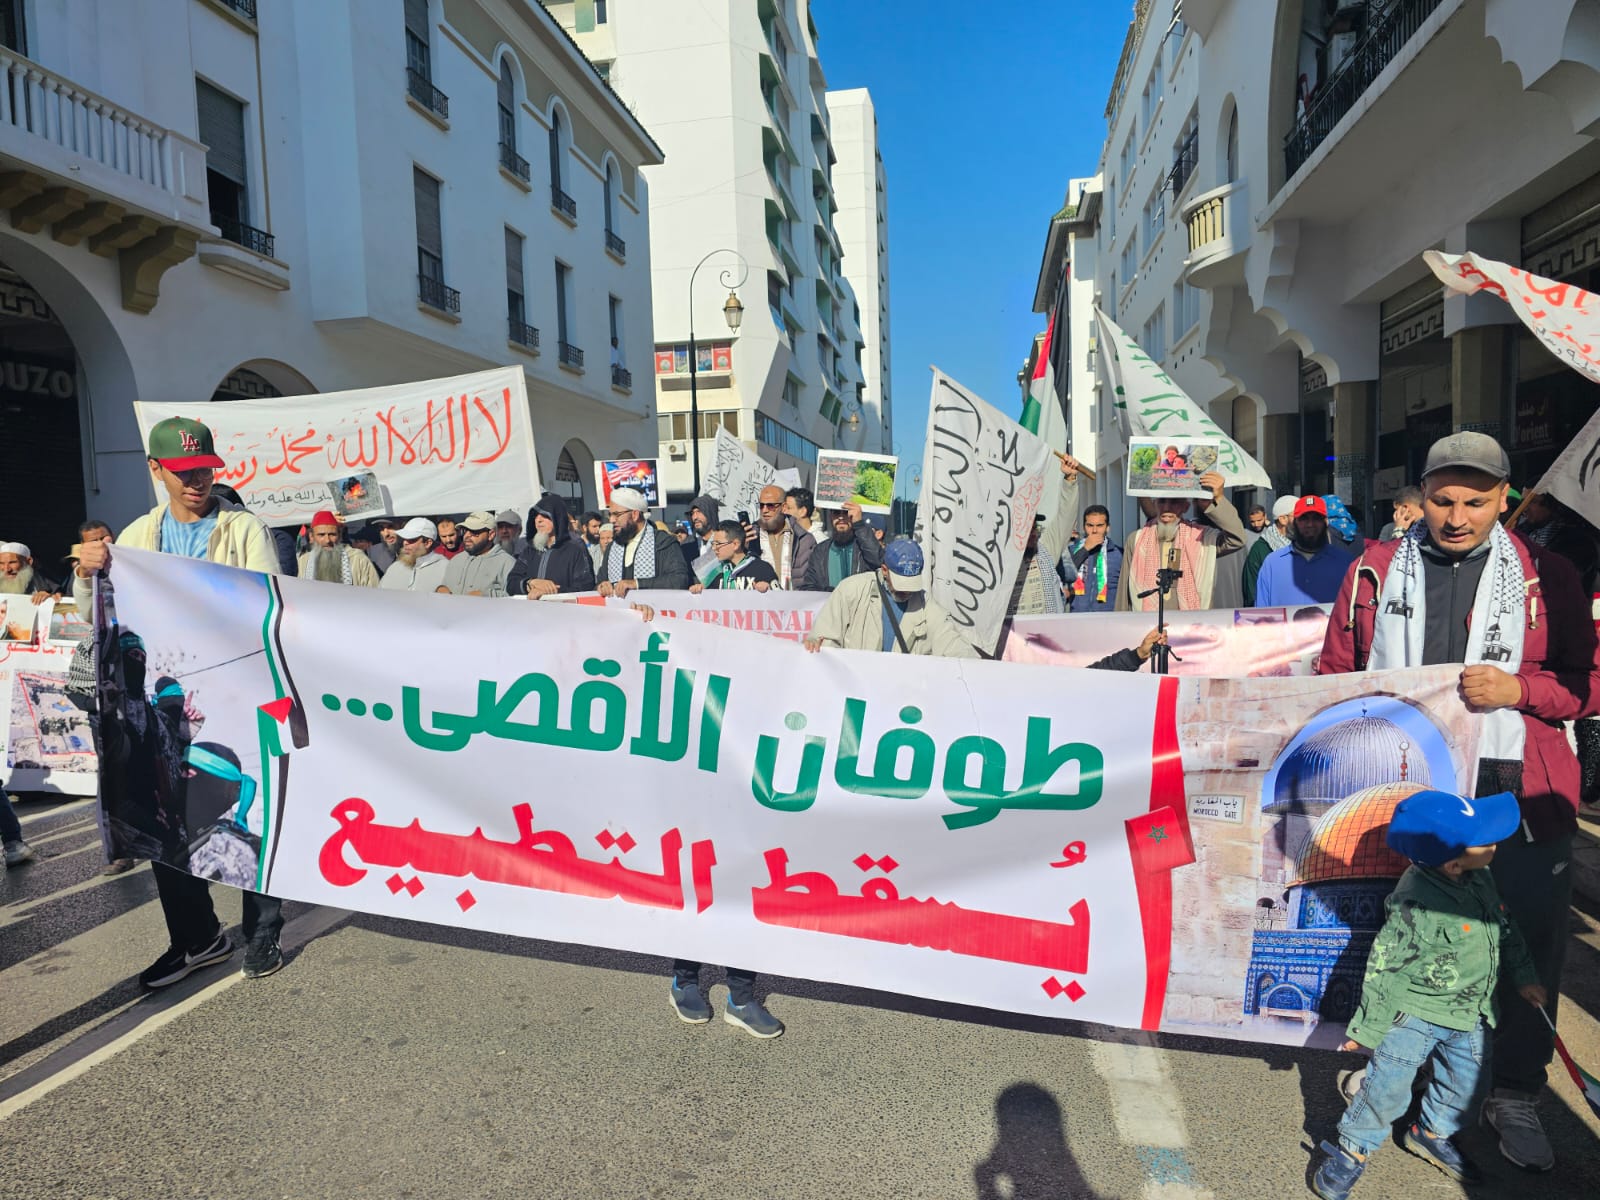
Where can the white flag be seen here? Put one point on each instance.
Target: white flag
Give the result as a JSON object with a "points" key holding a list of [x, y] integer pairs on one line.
{"points": [[1564, 317], [1152, 405], [737, 475], [983, 478]]}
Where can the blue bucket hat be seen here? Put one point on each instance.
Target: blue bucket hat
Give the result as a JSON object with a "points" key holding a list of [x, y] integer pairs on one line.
{"points": [[1431, 828]]}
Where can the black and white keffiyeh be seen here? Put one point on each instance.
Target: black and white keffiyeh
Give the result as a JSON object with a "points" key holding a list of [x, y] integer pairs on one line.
{"points": [[644, 558]]}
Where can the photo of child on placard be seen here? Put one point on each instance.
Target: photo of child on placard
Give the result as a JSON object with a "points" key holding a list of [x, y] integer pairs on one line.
{"points": [[1170, 467]]}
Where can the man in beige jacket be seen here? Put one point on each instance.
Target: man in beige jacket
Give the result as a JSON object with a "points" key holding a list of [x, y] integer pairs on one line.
{"points": [[887, 610], [331, 562]]}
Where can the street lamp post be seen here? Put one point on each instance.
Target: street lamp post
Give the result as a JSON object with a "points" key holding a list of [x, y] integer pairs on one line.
{"points": [[733, 313]]}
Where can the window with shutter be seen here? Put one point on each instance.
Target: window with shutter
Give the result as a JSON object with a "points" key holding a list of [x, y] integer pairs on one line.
{"points": [[430, 235], [561, 303], [555, 151], [13, 35], [222, 131], [516, 308]]}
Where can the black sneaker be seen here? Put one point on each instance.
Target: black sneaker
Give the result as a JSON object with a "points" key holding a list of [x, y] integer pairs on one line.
{"points": [[176, 964], [263, 956]]}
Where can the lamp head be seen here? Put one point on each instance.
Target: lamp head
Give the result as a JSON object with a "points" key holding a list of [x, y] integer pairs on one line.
{"points": [[733, 310]]}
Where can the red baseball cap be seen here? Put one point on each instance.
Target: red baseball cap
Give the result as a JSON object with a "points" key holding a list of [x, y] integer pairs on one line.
{"points": [[1310, 504]]}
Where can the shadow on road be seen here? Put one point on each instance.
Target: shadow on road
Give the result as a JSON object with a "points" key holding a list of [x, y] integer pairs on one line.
{"points": [[1031, 1159]]}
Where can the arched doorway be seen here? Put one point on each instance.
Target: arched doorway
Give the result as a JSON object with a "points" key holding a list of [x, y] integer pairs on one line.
{"points": [[40, 424], [262, 379], [574, 476]]}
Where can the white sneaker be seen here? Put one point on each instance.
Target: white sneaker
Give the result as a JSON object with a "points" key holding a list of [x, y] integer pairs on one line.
{"points": [[18, 852], [1515, 1118]]}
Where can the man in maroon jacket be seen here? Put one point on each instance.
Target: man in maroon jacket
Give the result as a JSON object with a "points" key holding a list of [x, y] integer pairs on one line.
{"points": [[1457, 588]]}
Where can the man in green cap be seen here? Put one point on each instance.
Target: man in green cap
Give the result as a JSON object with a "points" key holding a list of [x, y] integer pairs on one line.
{"points": [[194, 523]]}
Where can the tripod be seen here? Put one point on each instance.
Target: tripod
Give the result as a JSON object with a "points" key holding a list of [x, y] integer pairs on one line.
{"points": [[1165, 578]]}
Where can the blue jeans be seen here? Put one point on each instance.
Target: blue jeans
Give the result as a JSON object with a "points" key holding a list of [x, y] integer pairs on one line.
{"points": [[1460, 1074]]}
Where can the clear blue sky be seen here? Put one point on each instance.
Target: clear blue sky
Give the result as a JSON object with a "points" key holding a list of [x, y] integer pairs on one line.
{"points": [[985, 111]]}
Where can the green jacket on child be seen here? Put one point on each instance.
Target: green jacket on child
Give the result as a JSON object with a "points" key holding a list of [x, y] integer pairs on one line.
{"points": [[1440, 955]]}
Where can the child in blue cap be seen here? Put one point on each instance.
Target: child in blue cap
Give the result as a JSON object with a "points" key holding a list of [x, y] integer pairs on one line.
{"points": [[1429, 990]]}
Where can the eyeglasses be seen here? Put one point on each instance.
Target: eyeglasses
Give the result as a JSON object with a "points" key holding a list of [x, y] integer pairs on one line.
{"points": [[779, 504], [408, 541], [722, 545], [618, 512]]}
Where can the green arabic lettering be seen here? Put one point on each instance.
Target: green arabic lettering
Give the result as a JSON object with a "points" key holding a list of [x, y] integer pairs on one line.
{"points": [[458, 730], [763, 784], [1040, 765], [712, 709], [885, 779]]}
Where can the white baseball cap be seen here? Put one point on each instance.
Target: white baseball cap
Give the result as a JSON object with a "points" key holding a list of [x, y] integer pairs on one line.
{"points": [[419, 527]]}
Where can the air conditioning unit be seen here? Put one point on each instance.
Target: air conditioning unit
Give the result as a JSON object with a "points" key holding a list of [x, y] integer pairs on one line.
{"points": [[675, 449]]}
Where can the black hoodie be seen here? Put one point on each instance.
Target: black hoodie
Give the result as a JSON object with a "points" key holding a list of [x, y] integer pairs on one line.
{"points": [[695, 547], [566, 562]]}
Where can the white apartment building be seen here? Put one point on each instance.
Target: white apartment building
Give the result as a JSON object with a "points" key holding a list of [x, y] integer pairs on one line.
{"points": [[1332, 145], [861, 188], [208, 200], [744, 203]]}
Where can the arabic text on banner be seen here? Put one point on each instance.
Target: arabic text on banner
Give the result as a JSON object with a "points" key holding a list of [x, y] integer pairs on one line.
{"points": [[984, 479], [737, 476], [1566, 319], [1152, 405], [434, 446], [967, 831]]}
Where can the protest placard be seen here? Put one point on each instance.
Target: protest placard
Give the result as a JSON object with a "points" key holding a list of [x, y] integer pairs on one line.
{"points": [[844, 478], [982, 482], [437, 445], [737, 475], [637, 473], [357, 495], [1159, 467], [967, 831]]}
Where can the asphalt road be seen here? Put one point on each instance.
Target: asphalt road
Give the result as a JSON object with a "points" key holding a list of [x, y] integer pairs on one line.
{"points": [[397, 1060]]}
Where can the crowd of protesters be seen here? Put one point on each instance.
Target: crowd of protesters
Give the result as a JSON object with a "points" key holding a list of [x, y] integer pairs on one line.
{"points": [[1430, 589]]}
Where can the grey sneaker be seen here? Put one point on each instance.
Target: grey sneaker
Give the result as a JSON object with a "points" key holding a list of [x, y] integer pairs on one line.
{"points": [[18, 852], [1523, 1141], [690, 1003], [753, 1019], [262, 957]]}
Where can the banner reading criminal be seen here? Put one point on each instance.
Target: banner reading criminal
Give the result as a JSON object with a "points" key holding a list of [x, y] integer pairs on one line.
{"points": [[434, 446], [963, 830]]}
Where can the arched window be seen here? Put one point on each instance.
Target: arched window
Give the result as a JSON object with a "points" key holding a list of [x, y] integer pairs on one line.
{"points": [[1233, 145], [508, 107], [556, 177], [611, 191]]}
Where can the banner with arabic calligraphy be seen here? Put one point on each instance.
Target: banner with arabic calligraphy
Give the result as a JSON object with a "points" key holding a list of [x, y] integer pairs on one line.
{"points": [[736, 476], [434, 446], [983, 479], [1153, 406], [1566, 319], [969, 831]]}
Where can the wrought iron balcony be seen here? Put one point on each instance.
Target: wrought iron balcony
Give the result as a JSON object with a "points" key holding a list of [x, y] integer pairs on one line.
{"points": [[245, 8], [616, 245], [562, 202], [621, 377], [514, 162], [522, 333], [435, 294], [1184, 164], [425, 94], [240, 234], [571, 356], [1382, 42]]}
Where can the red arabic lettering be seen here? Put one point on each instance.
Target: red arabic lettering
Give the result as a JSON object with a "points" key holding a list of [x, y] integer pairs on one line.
{"points": [[299, 449], [505, 438], [542, 859], [810, 900]]}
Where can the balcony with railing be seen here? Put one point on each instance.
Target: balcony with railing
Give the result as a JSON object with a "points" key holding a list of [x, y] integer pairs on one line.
{"points": [[420, 88], [621, 377], [522, 334], [615, 246], [563, 203], [257, 240], [433, 293], [98, 173], [513, 163], [570, 355], [1219, 231], [245, 8], [1379, 46]]}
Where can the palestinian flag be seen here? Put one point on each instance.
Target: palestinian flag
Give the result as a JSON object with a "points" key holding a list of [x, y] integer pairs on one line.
{"points": [[1587, 1083], [1043, 386]]}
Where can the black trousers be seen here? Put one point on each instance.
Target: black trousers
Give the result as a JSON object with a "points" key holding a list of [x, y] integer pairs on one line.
{"points": [[741, 983], [191, 919]]}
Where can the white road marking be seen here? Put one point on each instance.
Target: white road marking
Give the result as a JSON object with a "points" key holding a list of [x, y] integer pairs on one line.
{"points": [[1148, 1114]]}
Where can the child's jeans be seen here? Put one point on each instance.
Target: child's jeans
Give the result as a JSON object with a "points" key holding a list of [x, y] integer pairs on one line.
{"points": [[1460, 1074]]}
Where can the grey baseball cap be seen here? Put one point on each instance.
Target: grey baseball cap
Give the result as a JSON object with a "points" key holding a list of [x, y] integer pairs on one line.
{"points": [[1467, 451]]}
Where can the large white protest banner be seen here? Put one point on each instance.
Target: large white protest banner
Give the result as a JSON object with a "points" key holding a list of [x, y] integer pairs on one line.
{"points": [[1092, 845], [435, 446], [737, 476], [1152, 405], [1566, 319], [983, 479]]}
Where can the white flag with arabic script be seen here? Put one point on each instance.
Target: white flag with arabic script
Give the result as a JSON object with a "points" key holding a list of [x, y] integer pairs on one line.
{"points": [[1152, 405]]}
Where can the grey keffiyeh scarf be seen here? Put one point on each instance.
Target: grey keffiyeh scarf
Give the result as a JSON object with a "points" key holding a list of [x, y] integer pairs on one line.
{"points": [[644, 558]]}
